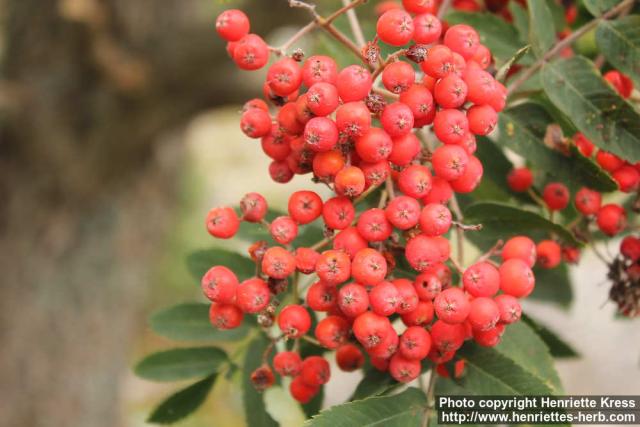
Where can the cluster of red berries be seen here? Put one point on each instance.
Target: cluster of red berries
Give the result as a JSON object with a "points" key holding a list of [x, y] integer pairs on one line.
{"points": [[325, 123]]}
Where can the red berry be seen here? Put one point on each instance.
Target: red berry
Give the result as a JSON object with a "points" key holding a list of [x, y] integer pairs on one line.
{"points": [[441, 192], [315, 370], [333, 267], [251, 52], [611, 219], [450, 126], [397, 119], [253, 207], [628, 178], [481, 279], [621, 82], [276, 144], [415, 343], [322, 297], [630, 248], [420, 101], [288, 121], [222, 223], [435, 219], [262, 378], [225, 316], [255, 123], [405, 149], [421, 316], [420, 6], [319, 68], [520, 247], [450, 91], [489, 338], [424, 252], [452, 305], [585, 146], [482, 119], [484, 314], [219, 285], [549, 254], [305, 206], [395, 27], [252, 295], [449, 162], [439, 62], [322, 98], [462, 39], [384, 298], [556, 196], [349, 241], [482, 57], [287, 363], [338, 213], [327, 164], [403, 212], [570, 254], [374, 145], [349, 357], [458, 369], [427, 286], [301, 391], [470, 178], [609, 161], [509, 307], [283, 230], [353, 299], [353, 118], [520, 179], [516, 278], [285, 77], [368, 267], [415, 181], [320, 134], [482, 88], [375, 173], [306, 259], [232, 25], [427, 28], [387, 347], [373, 225], [404, 370], [350, 182], [354, 83], [278, 263], [294, 321], [398, 76], [370, 329], [332, 331], [280, 172], [408, 296], [447, 337]]}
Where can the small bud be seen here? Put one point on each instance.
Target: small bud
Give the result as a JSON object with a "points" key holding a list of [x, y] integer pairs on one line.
{"points": [[375, 103], [277, 286], [257, 250], [297, 55], [371, 51], [262, 378], [417, 53]]}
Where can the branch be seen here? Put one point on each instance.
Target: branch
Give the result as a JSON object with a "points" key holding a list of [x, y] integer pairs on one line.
{"points": [[491, 252], [566, 42], [356, 29], [467, 227], [430, 392], [455, 207], [391, 58], [444, 8]]}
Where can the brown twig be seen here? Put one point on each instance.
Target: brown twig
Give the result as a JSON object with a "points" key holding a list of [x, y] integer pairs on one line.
{"points": [[391, 58], [354, 23], [491, 252], [455, 207], [467, 227]]}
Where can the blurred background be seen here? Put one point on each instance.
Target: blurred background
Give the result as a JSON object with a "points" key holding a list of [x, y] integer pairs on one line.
{"points": [[118, 131]]}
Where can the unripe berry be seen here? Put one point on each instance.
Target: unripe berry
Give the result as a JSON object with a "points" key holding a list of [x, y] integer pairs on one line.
{"points": [[287, 363], [520, 179], [452, 305], [283, 230], [219, 285], [509, 307], [319, 68], [549, 254], [384, 298], [395, 27], [373, 225], [516, 278], [482, 279], [284, 77], [251, 52], [435, 219], [225, 316], [421, 316], [222, 223], [320, 134], [349, 357], [611, 219], [368, 267], [232, 25], [449, 162], [447, 337], [353, 300], [353, 118], [398, 76], [484, 314], [403, 212], [374, 145], [370, 329], [332, 331], [354, 83], [349, 182], [333, 267], [322, 98], [294, 321], [415, 181], [450, 126], [520, 247], [470, 178], [427, 28], [404, 370], [556, 196], [424, 252], [252, 295], [301, 391]]}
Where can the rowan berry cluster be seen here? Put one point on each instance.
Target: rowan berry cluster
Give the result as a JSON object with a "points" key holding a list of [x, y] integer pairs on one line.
{"points": [[358, 138]]}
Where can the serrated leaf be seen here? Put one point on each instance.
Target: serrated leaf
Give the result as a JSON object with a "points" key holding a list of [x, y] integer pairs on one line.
{"points": [[553, 286], [520, 20], [576, 87], [198, 262], [374, 383], [619, 42], [598, 7], [495, 33], [557, 346], [190, 322], [519, 365], [501, 75], [181, 364], [522, 129], [253, 402], [501, 221], [182, 403], [405, 409], [542, 31]]}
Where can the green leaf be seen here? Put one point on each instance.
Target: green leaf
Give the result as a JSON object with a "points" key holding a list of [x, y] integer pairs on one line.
{"points": [[520, 20], [501, 75], [522, 130], [553, 285], [200, 261], [190, 322], [255, 412], [542, 32], [520, 365], [495, 33], [181, 364], [619, 42], [575, 86], [182, 403], [374, 383], [501, 221], [598, 7], [557, 346], [401, 410]]}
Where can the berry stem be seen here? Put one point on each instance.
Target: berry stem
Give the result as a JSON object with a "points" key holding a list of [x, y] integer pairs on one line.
{"points": [[491, 252], [566, 42], [294, 284], [311, 340], [536, 198], [390, 188], [455, 207], [467, 227], [282, 50], [391, 58], [430, 392]]}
